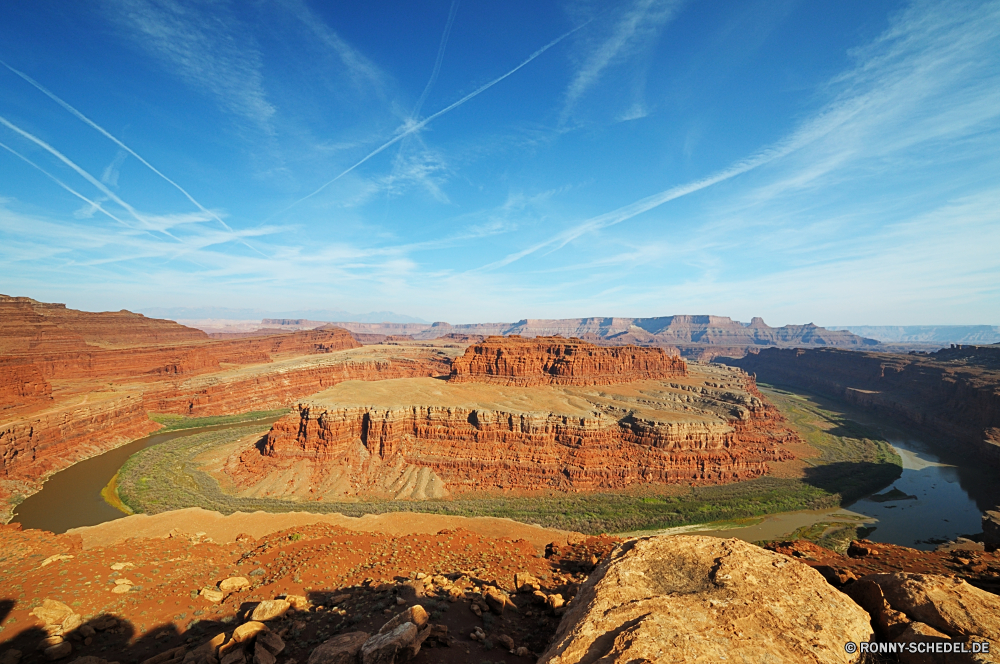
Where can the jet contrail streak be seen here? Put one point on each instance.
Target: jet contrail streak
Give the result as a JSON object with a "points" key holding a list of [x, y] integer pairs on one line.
{"points": [[84, 174], [412, 128], [83, 118], [65, 186]]}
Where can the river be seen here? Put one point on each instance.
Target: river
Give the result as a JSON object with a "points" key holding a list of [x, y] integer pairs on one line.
{"points": [[938, 497], [71, 498]]}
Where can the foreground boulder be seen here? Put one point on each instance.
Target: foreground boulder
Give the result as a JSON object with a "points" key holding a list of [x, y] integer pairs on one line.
{"points": [[694, 599], [943, 606]]}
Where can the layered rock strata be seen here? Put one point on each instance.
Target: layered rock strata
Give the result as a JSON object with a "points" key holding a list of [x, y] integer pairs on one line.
{"points": [[955, 391], [33, 447], [422, 438], [21, 382], [556, 361], [694, 599]]}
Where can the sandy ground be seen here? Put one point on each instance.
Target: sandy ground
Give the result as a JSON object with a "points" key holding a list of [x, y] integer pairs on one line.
{"points": [[673, 400], [224, 529]]}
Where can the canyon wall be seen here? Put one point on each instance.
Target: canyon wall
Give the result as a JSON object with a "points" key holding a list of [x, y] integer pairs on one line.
{"points": [[556, 361], [21, 383], [266, 390], [35, 446], [954, 391], [326, 452]]}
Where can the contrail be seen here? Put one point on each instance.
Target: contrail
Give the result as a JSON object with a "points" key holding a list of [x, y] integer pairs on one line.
{"points": [[65, 186], [38, 86], [84, 174], [439, 60], [415, 127]]}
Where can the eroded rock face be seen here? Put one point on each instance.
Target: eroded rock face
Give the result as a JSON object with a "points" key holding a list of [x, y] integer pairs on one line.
{"points": [[714, 429], [955, 391], [556, 361], [692, 598]]}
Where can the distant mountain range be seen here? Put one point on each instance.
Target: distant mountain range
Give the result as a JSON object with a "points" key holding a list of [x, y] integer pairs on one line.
{"points": [[674, 331], [928, 334]]}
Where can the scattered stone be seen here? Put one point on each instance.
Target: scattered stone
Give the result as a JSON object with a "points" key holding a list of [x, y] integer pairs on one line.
{"points": [[49, 641], [271, 641], [12, 656], [270, 609], [400, 601], [506, 642], [298, 602], [262, 655], [415, 614], [234, 584], [58, 651], [522, 652], [475, 609], [247, 631], [120, 566], [496, 600], [525, 582], [121, 588], [86, 631], [234, 657], [654, 594], [342, 649], [52, 612], [167, 656], [212, 595], [55, 558], [104, 623], [382, 648], [554, 601]]}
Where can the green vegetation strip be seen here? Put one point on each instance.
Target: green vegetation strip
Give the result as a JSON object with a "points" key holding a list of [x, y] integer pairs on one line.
{"points": [[854, 461], [180, 422]]}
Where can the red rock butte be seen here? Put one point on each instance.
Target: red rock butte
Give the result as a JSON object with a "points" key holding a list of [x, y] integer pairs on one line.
{"points": [[515, 360]]}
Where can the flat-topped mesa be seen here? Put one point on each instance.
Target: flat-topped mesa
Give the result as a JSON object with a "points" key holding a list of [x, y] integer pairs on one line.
{"points": [[518, 361]]}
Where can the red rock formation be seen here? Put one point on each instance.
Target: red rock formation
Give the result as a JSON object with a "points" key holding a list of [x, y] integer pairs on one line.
{"points": [[268, 390], [433, 451], [557, 361], [955, 391], [21, 382], [33, 447], [28, 324]]}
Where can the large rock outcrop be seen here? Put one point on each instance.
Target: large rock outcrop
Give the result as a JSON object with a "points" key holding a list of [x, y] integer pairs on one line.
{"points": [[955, 391], [424, 438], [556, 361], [693, 599], [21, 382]]}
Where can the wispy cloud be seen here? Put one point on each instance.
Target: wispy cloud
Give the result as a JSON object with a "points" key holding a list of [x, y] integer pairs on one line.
{"points": [[211, 52], [921, 82], [110, 175], [413, 127], [632, 31], [359, 68]]}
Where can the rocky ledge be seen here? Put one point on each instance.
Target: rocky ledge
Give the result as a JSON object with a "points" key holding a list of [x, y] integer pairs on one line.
{"points": [[426, 438]]}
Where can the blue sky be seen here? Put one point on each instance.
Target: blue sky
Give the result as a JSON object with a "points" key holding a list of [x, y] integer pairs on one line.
{"points": [[830, 162]]}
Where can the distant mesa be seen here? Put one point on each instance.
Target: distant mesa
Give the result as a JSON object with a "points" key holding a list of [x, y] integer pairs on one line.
{"points": [[515, 360], [697, 337]]}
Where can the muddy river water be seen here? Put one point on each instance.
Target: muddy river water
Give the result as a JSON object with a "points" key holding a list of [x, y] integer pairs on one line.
{"points": [[72, 497], [938, 497]]}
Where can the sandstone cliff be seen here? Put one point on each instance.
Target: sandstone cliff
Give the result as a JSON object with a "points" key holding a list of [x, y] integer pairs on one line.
{"points": [[21, 382], [423, 438], [955, 391], [557, 361], [35, 446]]}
